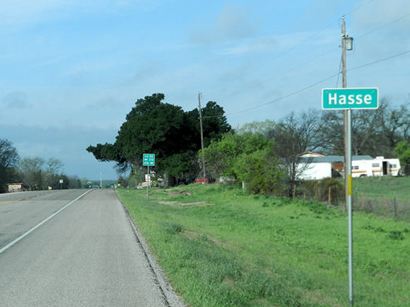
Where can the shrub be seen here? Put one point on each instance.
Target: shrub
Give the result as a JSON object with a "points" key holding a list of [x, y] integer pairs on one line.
{"points": [[261, 172]]}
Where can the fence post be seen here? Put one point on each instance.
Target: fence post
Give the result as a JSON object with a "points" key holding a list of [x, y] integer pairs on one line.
{"points": [[329, 195], [395, 208]]}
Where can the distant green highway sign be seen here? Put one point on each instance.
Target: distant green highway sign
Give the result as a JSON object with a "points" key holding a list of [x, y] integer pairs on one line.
{"points": [[148, 159], [350, 98]]}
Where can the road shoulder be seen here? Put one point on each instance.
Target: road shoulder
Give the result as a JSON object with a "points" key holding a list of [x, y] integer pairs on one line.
{"points": [[170, 297]]}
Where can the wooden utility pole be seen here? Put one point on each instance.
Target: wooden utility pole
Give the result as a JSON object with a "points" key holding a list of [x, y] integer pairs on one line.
{"points": [[202, 136]]}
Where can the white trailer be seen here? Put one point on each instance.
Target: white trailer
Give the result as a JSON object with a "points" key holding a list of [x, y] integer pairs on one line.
{"points": [[389, 167], [315, 167], [376, 167], [363, 168]]}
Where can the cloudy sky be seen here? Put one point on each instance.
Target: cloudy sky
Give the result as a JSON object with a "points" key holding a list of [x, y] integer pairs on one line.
{"points": [[71, 70]]}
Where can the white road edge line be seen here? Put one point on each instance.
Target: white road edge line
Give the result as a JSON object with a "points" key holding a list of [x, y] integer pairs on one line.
{"points": [[3, 249]]}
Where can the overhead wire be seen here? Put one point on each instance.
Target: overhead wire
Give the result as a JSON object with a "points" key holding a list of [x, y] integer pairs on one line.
{"points": [[314, 84], [328, 50], [339, 71], [333, 75], [380, 60], [383, 25], [316, 35]]}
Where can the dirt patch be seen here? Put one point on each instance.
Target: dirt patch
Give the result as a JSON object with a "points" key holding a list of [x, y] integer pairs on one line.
{"points": [[175, 193], [229, 281], [196, 204], [168, 203], [174, 203], [193, 235], [317, 297]]}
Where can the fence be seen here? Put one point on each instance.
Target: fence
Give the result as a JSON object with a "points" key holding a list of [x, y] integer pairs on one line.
{"points": [[389, 207], [331, 192]]}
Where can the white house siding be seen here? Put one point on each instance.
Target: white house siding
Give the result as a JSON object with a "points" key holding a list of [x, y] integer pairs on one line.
{"points": [[315, 171]]}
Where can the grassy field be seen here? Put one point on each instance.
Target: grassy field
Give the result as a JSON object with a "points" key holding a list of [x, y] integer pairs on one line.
{"points": [[385, 196], [383, 187], [221, 247]]}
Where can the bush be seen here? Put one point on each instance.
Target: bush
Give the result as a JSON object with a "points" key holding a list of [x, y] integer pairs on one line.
{"points": [[260, 171]]}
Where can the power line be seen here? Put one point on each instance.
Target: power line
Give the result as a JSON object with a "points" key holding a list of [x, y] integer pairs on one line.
{"points": [[328, 50], [281, 97], [380, 60], [313, 59], [358, 6], [315, 84], [317, 34], [383, 25], [338, 75], [358, 36]]}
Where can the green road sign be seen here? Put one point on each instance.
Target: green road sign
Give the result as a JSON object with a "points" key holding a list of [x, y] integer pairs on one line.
{"points": [[350, 98], [148, 159]]}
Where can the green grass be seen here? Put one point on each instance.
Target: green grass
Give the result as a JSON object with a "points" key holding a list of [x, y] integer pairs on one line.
{"points": [[383, 187], [384, 196], [221, 247]]}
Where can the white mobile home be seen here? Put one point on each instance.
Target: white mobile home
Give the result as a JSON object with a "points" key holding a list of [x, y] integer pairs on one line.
{"points": [[315, 167], [320, 167], [376, 167]]}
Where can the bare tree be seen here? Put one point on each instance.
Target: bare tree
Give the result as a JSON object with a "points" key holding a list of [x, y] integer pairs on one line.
{"points": [[375, 132], [8, 161], [32, 172], [52, 173], [294, 136]]}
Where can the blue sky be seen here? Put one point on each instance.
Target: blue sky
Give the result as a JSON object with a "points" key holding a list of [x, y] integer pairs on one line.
{"points": [[71, 70]]}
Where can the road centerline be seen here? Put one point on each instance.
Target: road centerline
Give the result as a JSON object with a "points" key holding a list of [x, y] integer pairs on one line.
{"points": [[10, 244]]}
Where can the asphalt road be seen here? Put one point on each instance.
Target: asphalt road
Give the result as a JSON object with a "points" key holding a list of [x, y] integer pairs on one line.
{"points": [[86, 255]]}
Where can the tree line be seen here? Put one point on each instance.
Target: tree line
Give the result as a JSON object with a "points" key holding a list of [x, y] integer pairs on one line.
{"points": [[264, 155], [267, 155], [34, 173]]}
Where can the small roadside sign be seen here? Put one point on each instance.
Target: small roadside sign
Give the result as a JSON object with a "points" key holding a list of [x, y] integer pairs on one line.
{"points": [[350, 98], [148, 159]]}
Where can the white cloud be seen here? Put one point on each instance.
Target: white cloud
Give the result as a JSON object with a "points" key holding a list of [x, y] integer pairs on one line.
{"points": [[231, 23], [260, 44], [280, 44]]}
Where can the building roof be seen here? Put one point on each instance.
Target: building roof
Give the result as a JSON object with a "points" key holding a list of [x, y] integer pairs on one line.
{"points": [[333, 159]]}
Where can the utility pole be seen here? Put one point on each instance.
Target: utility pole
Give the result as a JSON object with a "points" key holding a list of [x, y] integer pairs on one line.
{"points": [[202, 136], [348, 162]]}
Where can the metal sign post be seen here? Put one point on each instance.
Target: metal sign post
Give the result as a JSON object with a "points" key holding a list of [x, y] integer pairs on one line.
{"points": [[148, 160], [347, 99], [348, 167], [149, 182]]}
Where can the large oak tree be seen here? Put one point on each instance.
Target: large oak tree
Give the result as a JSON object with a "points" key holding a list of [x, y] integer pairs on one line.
{"points": [[153, 126]]}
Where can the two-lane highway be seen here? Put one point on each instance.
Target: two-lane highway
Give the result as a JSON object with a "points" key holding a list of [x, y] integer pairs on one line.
{"points": [[19, 212], [86, 255]]}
